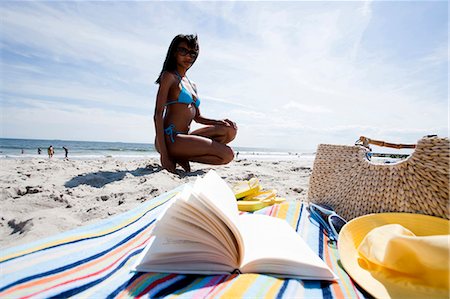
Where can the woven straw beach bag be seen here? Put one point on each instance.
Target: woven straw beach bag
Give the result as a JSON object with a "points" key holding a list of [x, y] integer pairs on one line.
{"points": [[346, 180]]}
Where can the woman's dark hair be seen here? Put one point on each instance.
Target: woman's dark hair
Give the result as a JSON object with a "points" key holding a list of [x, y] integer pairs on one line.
{"points": [[170, 64]]}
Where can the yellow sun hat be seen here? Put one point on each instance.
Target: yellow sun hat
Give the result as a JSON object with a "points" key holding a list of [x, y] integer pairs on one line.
{"points": [[398, 255]]}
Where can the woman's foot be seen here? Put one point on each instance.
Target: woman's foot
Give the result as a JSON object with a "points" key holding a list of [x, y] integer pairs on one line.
{"points": [[185, 165]]}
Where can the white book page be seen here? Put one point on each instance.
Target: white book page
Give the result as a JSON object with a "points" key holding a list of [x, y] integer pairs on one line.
{"points": [[217, 193], [181, 222], [211, 219], [192, 231], [202, 241], [180, 256], [214, 192], [272, 246]]}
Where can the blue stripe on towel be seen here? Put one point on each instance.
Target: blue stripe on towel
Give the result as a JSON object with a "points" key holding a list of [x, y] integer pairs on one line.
{"points": [[67, 267], [178, 285], [124, 285], [283, 288], [82, 239]]}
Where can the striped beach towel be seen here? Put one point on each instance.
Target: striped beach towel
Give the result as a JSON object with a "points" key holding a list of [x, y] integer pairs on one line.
{"points": [[94, 262]]}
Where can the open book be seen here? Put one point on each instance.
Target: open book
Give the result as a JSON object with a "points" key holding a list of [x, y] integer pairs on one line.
{"points": [[201, 232]]}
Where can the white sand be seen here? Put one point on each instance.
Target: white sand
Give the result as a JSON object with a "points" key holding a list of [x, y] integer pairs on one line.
{"points": [[42, 197]]}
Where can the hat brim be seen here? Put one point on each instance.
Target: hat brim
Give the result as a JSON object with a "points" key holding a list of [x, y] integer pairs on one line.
{"points": [[353, 233]]}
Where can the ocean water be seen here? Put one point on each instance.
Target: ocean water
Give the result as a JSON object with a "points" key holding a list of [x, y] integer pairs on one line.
{"points": [[12, 149]]}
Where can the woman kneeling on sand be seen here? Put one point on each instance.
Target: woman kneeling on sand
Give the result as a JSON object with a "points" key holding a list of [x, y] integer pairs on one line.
{"points": [[177, 104]]}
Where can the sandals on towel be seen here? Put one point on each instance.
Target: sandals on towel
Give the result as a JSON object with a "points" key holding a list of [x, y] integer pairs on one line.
{"points": [[251, 198], [259, 201], [261, 195], [245, 188]]}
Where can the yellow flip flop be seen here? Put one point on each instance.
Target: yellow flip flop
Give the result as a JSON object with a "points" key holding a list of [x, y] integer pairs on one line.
{"points": [[255, 205], [246, 188], [258, 201], [262, 195]]}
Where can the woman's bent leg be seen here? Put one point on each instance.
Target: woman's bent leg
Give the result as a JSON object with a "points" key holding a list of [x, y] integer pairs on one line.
{"points": [[219, 133], [200, 149], [183, 163]]}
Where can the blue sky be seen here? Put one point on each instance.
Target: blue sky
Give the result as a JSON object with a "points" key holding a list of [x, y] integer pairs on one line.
{"points": [[290, 74]]}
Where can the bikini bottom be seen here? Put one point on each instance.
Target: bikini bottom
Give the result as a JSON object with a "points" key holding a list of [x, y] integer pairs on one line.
{"points": [[171, 131]]}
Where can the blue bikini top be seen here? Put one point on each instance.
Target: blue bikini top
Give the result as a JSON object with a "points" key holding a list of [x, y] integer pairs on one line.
{"points": [[185, 96]]}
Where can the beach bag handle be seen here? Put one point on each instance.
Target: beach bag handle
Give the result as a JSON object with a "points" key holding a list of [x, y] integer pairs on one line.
{"points": [[364, 141], [346, 180]]}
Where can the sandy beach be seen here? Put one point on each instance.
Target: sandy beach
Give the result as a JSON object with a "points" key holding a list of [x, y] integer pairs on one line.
{"points": [[42, 197]]}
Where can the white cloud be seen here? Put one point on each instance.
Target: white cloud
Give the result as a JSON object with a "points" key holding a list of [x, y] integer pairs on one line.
{"points": [[77, 92], [252, 115], [47, 120], [439, 55], [366, 8], [306, 108], [226, 102], [62, 35]]}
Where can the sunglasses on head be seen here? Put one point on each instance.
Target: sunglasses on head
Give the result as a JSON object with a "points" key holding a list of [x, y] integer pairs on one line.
{"points": [[185, 51], [328, 218]]}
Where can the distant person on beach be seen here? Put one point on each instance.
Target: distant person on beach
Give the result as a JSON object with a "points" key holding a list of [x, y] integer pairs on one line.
{"points": [[23, 152], [66, 151], [50, 151], [39, 150], [177, 105]]}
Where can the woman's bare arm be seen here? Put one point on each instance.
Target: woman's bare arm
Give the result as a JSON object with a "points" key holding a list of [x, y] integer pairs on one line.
{"points": [[207, 121], [161, 99]]}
